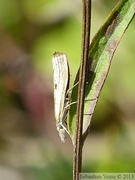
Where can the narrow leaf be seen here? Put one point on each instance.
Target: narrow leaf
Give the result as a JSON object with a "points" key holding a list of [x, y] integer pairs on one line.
{"points": [[101, 53]]}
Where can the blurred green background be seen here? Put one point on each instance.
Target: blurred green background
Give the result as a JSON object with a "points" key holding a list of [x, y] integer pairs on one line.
{"points": [[30, 148]]}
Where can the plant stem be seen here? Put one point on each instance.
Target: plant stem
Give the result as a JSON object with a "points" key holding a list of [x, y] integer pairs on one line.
{"points": [[86, 4]]}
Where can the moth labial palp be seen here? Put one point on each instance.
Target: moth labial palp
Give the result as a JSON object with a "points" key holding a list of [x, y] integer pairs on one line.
{"points": [[61, 77]]}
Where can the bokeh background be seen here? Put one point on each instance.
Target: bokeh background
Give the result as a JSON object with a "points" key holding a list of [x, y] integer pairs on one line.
{"points": [[30, 148]]}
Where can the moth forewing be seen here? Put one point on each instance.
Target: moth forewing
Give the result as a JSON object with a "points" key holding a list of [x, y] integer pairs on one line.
{"points": [[61, 85]]}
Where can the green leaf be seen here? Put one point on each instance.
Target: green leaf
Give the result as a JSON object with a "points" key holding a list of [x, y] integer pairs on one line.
{"points": [[101, 53]]}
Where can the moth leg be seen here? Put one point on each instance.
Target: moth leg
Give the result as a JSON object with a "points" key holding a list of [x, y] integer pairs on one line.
{"points": [[72, 87], [61, 126]]}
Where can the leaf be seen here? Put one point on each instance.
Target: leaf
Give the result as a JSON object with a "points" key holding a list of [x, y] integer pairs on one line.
{"points": [[101, 53]]}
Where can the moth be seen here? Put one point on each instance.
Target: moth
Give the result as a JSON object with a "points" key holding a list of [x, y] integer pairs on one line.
{"points": [[61, 78]]}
